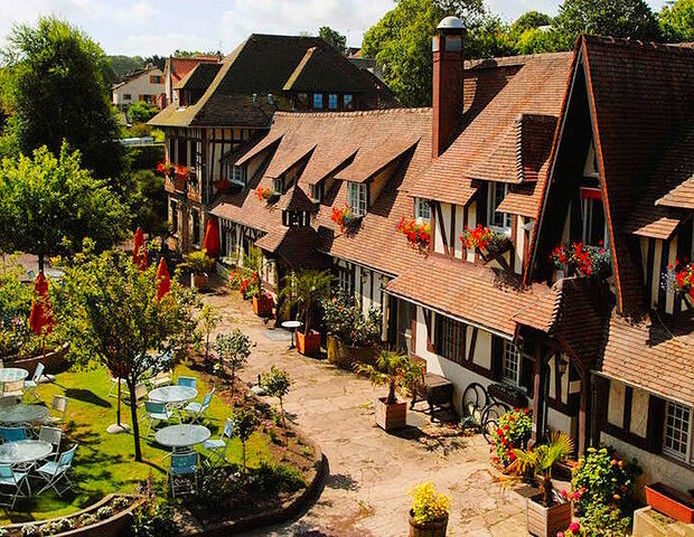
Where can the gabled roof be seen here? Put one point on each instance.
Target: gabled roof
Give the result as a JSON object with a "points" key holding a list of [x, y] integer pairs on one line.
{"points": [[369, 162], [199, 77], [288, 157], [320, 69]]}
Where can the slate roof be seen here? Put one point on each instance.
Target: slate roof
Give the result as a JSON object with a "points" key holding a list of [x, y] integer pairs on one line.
{"points": [[199, 77], [320, 69]]}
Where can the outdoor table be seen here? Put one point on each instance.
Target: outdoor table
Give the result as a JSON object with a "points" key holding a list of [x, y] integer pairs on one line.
{"points": [[13, 374], [291, 326], [173, 395], [21, 413], [23, 452], [182, 437]]}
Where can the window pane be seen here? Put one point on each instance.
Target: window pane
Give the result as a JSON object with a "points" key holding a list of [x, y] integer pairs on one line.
{"points": [[511, 369], [450, 340], [677, 430], [332, 101], [318, 101], [422, 209], [347, 100]]}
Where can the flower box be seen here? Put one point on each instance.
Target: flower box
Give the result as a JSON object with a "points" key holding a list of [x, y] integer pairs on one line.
{"points": [[345, 218], [418, 234], [308, 344], [578, 259], [262, 305], [267, 194], [345, 356], [390, 417], [485, 240], [511, 395], [547, 521], [670, 502]]}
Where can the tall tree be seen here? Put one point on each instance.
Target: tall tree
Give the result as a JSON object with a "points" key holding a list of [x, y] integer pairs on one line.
{"points": [[335, 38], [57, 91], [48, 205], [529, 21], [677, 21]]}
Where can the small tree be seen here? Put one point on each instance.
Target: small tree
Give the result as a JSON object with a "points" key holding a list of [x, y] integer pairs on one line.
{"points": [[276, 383], [141, 111], [306, 290], [208, 319], [335, 38], [233, 351], [246, 421], [391, 369]]}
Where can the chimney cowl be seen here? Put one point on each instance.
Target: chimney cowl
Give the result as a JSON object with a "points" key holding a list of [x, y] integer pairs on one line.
{"points": [[450, 23]]}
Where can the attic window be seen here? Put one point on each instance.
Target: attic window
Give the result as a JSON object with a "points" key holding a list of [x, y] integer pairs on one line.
{"points": [[332, 101], [594, 231], [237, 175], [316, 192], [422, 210], [591, 166], [318, 101], [356, 197], [278, 185], [500, 221], [347, 101]]}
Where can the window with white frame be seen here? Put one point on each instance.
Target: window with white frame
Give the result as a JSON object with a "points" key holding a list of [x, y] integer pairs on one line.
{"points": [[278, 185], [678, 424], [356, 197], [422, 209], [497, 193], [238, 175], [345, 280], [512, 364], [316, 191]]}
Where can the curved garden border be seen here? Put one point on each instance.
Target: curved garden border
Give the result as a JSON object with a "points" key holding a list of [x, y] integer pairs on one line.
{"points": [[287, 510], [55, 361], [110, 527]]}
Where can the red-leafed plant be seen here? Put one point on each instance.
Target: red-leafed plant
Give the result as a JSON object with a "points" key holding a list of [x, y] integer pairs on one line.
{"points": [[222, 186], [164, 168], [578, 259], [482, 238], [680, 277], [183, 172], [345, 218], [418, 234]]}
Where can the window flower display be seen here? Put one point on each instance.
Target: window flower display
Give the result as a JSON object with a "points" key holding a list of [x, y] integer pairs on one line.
{"points": [[266, 194], [345, 218], [578, 259], [483, 238], [165, 168], [417, 234]]}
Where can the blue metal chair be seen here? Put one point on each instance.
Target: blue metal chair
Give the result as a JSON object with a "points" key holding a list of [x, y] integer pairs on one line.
{"points": [[190, 382], [198, 410], [15, 480], [12, 434], [183, 466], [55, 472], [156, 412], [30, 386], [218, 446]]}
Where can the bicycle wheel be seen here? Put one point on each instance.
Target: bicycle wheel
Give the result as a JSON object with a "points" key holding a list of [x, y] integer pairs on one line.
{"points": [[475, 400], [490, 418]]}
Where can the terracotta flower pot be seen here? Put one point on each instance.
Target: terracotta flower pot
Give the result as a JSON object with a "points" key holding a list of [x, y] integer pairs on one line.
{"points": [[670, 502], [262, 306], [435, 528], [390, 417], [308, 344], [547, 521]]}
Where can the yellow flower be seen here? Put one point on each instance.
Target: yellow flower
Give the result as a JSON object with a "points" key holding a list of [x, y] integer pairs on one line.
{"points": [[428, 504]]}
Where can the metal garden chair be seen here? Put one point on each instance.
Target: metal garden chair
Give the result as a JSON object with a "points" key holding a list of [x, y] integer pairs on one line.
{"points": [[30, 386], [52, 435], [12, 434], [156, 412], [58, 410], [190, 382], [55, 472], [218, 446], [15, 480], [198, 410], [183, 467]]}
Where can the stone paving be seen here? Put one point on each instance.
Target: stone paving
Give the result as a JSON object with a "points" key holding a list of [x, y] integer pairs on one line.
{"points": [[365, 493]]}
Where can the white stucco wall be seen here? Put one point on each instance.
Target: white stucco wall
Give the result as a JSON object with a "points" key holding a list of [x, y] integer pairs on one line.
{"points": [[471, 224], [138, 86], [558, 421], [615, 406]]}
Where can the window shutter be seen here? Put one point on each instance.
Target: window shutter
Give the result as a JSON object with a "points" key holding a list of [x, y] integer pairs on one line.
{"points": [[497, 357], [656, 422]]}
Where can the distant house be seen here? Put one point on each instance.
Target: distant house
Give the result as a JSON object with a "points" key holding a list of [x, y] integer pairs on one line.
{"points": [[175, 69], [145, 84]]}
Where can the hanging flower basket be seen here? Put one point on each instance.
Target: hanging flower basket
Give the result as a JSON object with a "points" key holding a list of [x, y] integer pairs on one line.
{"points": [[345, 218], [484, 240], [578, 259], [417, 234]]}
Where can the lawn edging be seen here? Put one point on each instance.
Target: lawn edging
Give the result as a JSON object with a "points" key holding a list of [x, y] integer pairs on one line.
{"points": [[55, 361], [110, 527], [289, 507]]}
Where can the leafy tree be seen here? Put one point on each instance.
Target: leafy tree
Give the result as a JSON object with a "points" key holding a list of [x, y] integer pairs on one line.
{"points": [[48, 205], [529, 21], [107, 308], [122, 65], [141, 111], [677, 21], [246, 421], [156, 60], [208, 319], [147, 201], [276, 383], [335, 38], [233, 351], [537, 40], [306, 290], [57, 91], [195, 53]]}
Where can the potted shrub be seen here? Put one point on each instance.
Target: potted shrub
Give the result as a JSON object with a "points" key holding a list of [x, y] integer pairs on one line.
{"points": [[199, 264], [512, 432], [429, 512], [548, 513], [395, 371], [306, 290], [249, 284]]}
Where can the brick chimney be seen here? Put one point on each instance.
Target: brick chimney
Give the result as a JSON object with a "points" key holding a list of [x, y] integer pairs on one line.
{"points": [[447, 47]]}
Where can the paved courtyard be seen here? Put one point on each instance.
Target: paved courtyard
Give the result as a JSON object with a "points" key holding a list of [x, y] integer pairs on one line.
{"points": [[365, 493]]}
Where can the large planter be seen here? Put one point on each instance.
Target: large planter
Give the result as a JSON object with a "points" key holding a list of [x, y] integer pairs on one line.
{"points": [[198, 281], [345, 356], [547, 521], [670, 502], [262, 305], [436, 528], [55, 361], [308, 344], [390, 417]]}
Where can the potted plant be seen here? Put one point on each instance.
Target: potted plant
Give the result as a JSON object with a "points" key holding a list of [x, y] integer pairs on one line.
{"points": [[394, 370], [199, 264], [547, 512], [429, 512], [670, 502], [418, 234], [306, 290], [251, 286]]}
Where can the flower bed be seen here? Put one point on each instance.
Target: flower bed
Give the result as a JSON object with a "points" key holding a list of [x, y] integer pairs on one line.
{"points": [[165, 168], [345, 218], [513, 432], [417, 234], [54, 360], [578, 259], [483, 238]]}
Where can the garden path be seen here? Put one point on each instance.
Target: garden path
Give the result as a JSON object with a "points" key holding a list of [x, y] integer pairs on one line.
{"points": [[365, 493]]}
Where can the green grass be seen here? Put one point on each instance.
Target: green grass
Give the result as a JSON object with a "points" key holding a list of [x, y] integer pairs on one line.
{"points": [[105, 462]]}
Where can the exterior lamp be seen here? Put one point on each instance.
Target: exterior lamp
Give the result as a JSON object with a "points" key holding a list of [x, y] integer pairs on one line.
{"points": [[562, 364]]}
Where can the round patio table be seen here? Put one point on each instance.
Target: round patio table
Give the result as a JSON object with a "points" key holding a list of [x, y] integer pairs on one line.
{"points": [[24, 451], [173, 395], [291, 326], [13, 374], [183, 436], [21, 413]]}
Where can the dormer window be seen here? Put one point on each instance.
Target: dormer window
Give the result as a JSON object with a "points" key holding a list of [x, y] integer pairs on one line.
{"points": [[316, 192], [594, 232], [278, 185], [495, 219], [356, 197], [237, 175], [318, 101], [422, 210]]}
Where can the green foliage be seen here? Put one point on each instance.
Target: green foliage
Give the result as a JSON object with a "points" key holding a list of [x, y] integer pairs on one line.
{"points": [[56, 88], [529, 21], [276, 383], [233, 351], [272, 478], [122, 65], [513, 432], [145, 157], [154, 519], [246, 420], [392, 369], [48, 205], [207, 321], [196, 53], [335, 38], [677, 21], [306, 290], [15, 306], [141, 111], [146, 199], [198, 262], [346, 321]]}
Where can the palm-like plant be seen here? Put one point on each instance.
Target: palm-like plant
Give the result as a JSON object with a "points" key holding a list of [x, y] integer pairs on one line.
{"points": [[392, 369], [305, 290], [540, 461]]}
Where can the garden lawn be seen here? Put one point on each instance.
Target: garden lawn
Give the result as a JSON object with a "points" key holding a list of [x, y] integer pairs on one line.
{"points": [[105, 462]]}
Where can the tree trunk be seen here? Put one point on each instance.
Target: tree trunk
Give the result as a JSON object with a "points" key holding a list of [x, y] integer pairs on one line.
{"points": [[136, 426], [284, 425], [40, 256], [243, 456], [546, 486], [118, 405], [391, 394]]}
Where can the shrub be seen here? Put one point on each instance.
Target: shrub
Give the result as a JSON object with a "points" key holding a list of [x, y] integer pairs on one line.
{"points": [[145, 157], [513, 432], [87, 520], [57, 526], [428, 505], [141, 111], [120, 503], [154, 519], [31, 530], [104, 512], [346, 321], [275, 478], [215, 484]]}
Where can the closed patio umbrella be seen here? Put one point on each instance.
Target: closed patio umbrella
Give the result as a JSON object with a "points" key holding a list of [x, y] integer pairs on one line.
{"points": [[41, 318], [211, 241], [163, 279], [139, 250]]}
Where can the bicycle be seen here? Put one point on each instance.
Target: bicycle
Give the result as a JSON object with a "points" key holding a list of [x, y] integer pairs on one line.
{"points": [[482, 410]]}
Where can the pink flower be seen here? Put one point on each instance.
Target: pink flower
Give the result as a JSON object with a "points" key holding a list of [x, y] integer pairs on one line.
{"points": [[574, 527]]}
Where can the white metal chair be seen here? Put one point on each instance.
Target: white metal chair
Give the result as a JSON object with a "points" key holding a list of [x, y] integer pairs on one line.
{"points": [[13, 389], [163, 378], [183, 467], [55, 472], [31, 386], [58, 410], [218, 446], [113, 392], [198, 410], [52, 435], [15, 480], [156, 412]]}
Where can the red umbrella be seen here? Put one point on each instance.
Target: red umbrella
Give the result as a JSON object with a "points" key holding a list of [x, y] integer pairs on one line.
{"points": [[163, 279], [211, 241], [139, 250], [41, 318]]}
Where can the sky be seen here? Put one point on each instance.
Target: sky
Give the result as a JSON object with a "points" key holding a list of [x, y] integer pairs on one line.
{"points": [[146, 27]]}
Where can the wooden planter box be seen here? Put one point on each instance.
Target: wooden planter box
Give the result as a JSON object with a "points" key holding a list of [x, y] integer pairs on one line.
{"points": [[508, 394], [262, 306], [547, 521], [670, 502], [390, 417], [345, 356], [428, 529], [308, 344]]}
